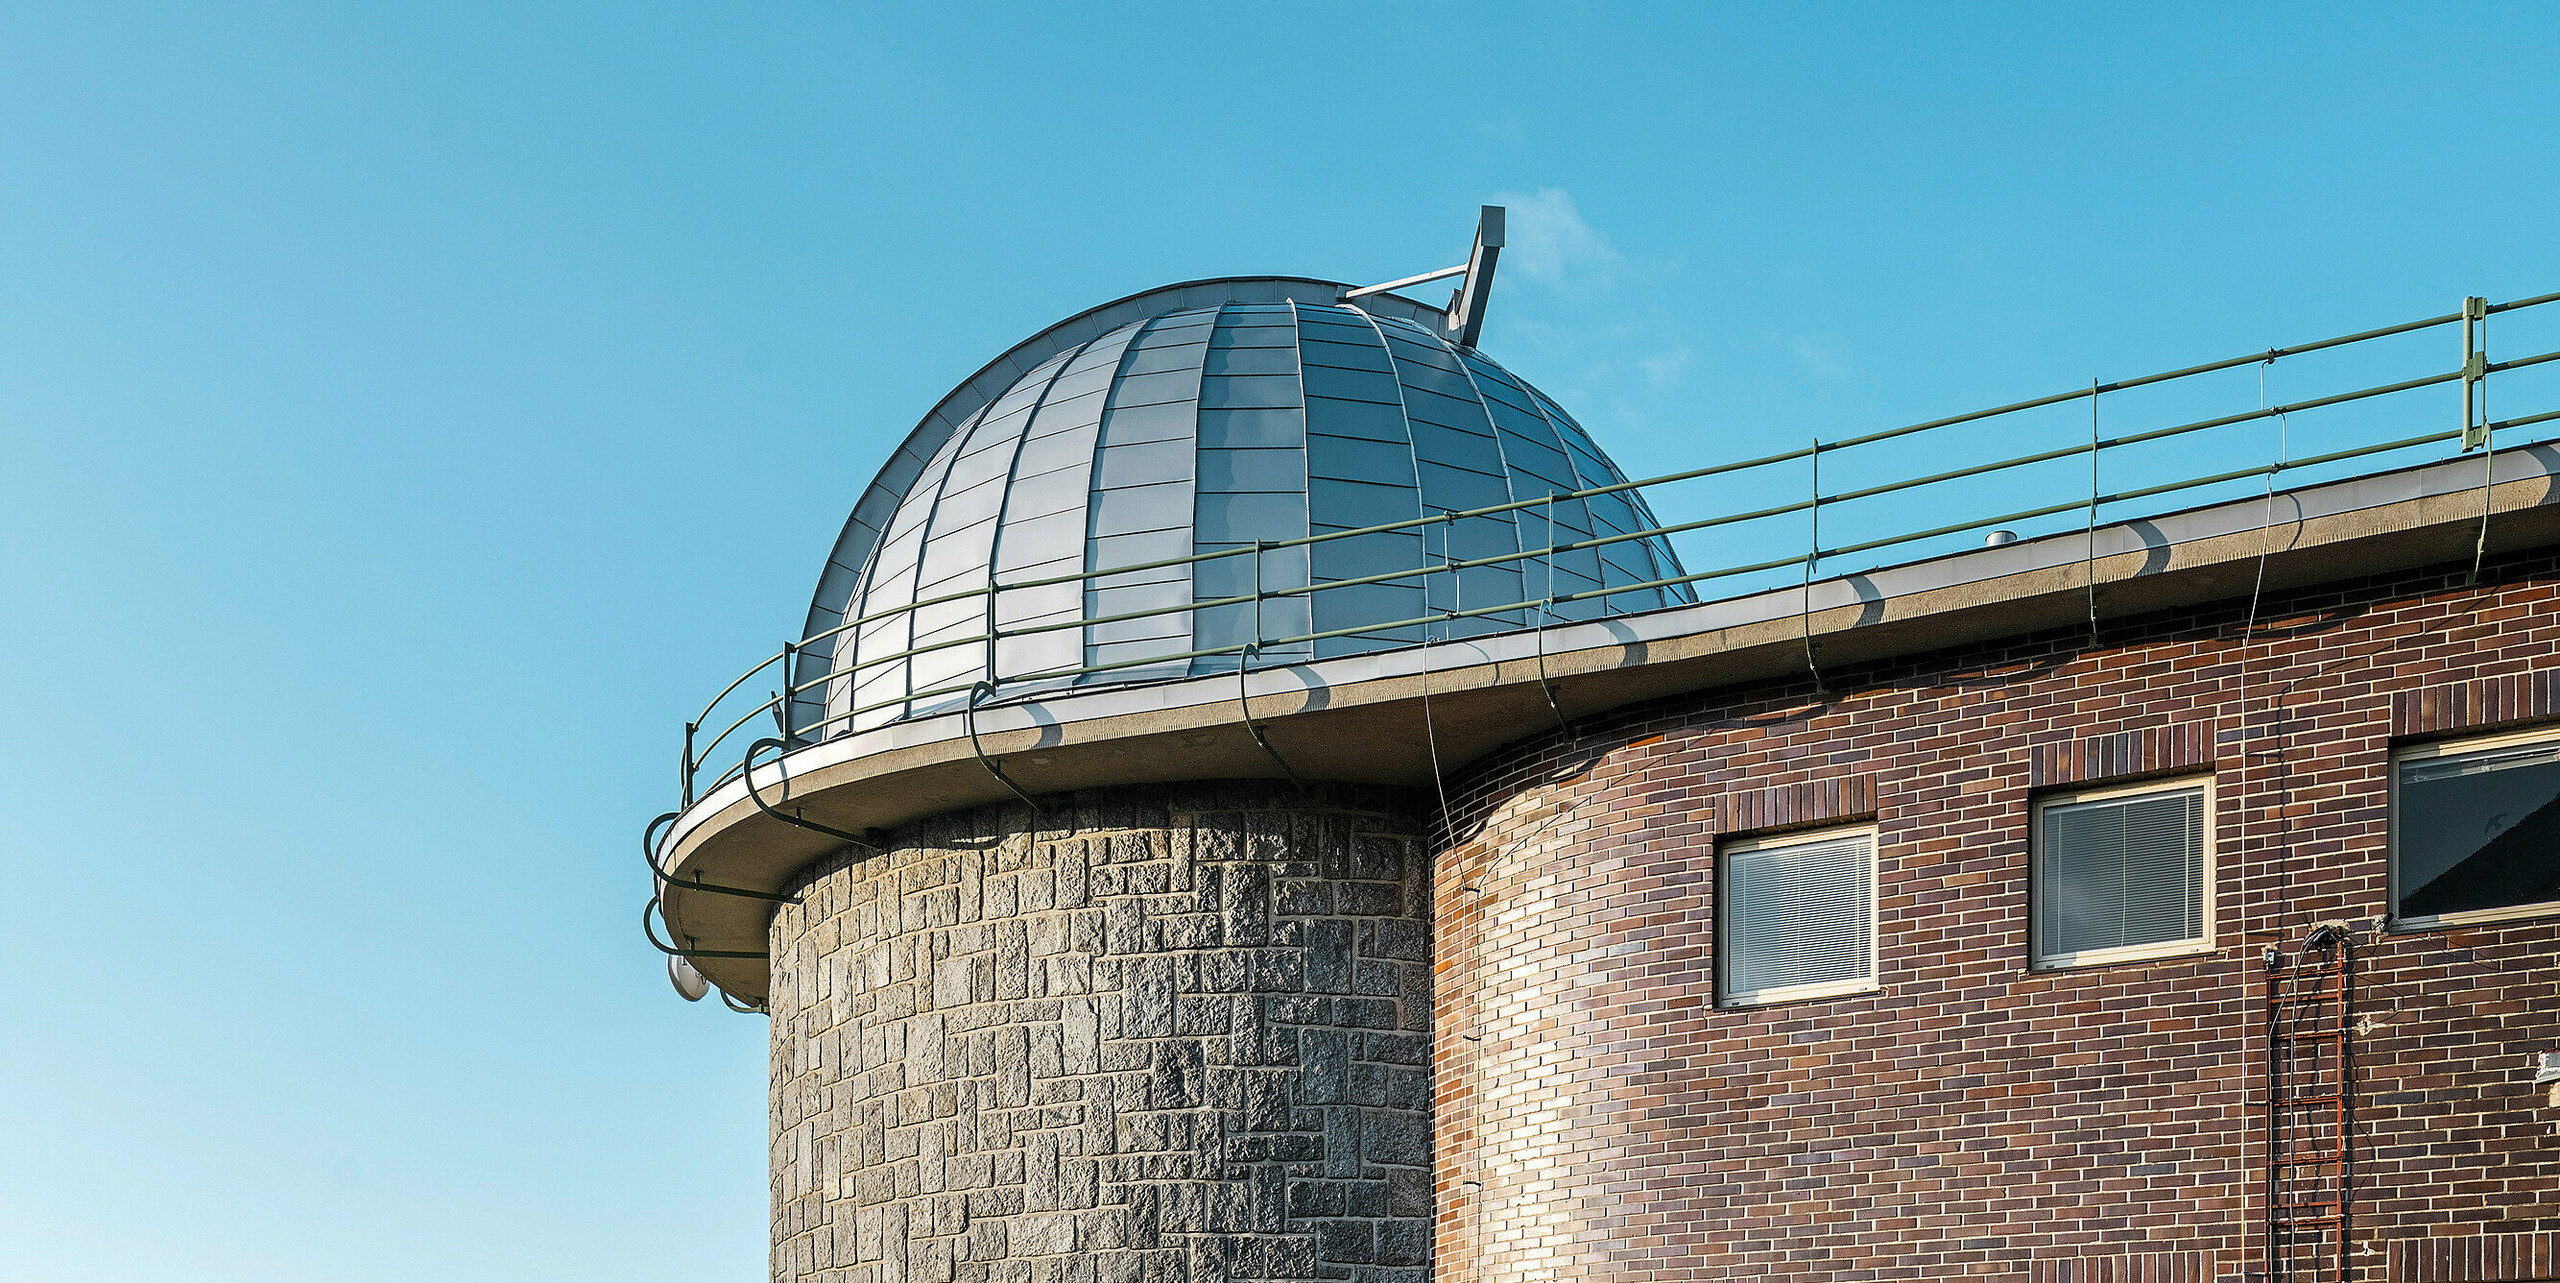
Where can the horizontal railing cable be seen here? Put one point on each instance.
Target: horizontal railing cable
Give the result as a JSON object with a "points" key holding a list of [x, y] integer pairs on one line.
{"points": [[980, 639], [850, 672], [1826, 447]]}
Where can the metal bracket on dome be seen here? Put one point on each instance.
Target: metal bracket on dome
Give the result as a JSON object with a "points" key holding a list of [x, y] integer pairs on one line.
{"points": [[1466, 303], [1391, 286], [1464, 318]]}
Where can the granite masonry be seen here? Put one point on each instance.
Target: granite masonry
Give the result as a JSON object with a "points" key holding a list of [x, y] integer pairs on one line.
{"points": [[1156, 1035]]}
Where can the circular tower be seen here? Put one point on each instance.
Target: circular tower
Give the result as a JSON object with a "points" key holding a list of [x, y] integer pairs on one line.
{"points": [[1081, 847]]}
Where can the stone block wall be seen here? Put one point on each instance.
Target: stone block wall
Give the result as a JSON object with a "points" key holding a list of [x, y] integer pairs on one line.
{"points": [[1599, 1118], [1162, 1035]]}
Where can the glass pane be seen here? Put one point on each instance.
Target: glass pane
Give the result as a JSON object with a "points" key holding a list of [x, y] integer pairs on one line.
{"points": [[1252, 360], [1248, 391], [1225, 470], [1352, 385], [1119, 466], [1353, 504], [1346, 356], [1160, 507], [1128, 425], [1246, 428], [2479, 830], [1266, 337], [1459, 489], [1160, 360], [1058, 459], [2121, 872], [1242, 518], [1156, 389], [1373, 420], [1796, 915], [1354, 459]]}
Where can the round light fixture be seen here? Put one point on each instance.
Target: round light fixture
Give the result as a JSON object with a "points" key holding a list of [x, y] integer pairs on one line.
{"points": [[688, 982]]}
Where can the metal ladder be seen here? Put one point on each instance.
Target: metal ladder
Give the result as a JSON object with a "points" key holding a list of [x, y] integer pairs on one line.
{"points": [[2310, 1110]]}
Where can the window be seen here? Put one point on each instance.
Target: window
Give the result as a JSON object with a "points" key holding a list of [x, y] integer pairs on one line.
{"points": [[1798, 916], [2123, 874], [2475, 830]]}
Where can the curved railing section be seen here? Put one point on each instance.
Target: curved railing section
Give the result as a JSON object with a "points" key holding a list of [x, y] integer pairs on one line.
{"points": [[1835, 507]]}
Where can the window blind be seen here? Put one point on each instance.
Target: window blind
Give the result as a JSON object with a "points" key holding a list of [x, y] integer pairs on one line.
{"points": [[2121, 872], [1798, 915]]}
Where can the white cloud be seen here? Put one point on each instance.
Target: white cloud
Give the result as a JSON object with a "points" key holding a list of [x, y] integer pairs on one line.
{"points": [[1818, 357], [1549, 243], [1663, 368]]}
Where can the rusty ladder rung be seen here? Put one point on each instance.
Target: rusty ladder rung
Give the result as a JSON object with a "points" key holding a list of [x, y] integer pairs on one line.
{"points": [[2305, 1234]]}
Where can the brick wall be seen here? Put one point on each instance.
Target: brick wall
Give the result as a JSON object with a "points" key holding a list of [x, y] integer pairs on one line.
{"points": [[1177, 1034], [1598, 1118]]}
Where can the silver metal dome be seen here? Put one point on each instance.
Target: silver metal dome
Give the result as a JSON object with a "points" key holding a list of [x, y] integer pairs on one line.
{"points": [[1200, 419]]}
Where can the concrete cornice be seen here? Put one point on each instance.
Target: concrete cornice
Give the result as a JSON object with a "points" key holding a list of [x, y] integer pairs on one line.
{"points": [[1384, 717]]}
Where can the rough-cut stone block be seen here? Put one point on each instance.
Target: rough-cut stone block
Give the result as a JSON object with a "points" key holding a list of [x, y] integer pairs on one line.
{"points": [[1106, 1052]]}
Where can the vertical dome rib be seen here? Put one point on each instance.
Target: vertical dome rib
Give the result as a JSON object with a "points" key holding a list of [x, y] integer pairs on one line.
{"points": [[1533, 448], [1140, 502], [1043, 531], [960, 539], [1205, 428], [1389, 550], [1252, 469], [889, 580], [1459, 467]]}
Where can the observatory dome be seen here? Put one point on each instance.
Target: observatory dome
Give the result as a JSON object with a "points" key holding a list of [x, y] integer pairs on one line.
{"points": [[1146, 435]]}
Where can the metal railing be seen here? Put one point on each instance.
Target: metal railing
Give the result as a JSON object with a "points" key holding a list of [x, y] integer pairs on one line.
{"points": [[1756, 476]]}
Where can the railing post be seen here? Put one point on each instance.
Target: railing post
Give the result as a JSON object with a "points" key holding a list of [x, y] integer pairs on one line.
{"points": [[2090, 570], [1812, 555], [790, 741], [2475, 374], [684, 774]]}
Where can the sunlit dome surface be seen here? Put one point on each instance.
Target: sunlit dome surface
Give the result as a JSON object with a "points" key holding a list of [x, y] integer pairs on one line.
{"points": [[1199, 419]]}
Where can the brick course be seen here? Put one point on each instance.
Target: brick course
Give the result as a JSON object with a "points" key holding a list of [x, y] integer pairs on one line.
{"points": [[1599, 1118]]}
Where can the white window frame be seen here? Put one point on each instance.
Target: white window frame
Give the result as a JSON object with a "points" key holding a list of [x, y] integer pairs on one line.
{"points": [[1875, 917], [2201, 943], [2458, 748]]}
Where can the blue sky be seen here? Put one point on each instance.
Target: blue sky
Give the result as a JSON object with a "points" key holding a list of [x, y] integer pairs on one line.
{"points": [[408, 413]]}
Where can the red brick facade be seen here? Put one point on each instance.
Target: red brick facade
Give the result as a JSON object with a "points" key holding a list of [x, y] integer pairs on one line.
{"points": [[1598, 1118]]}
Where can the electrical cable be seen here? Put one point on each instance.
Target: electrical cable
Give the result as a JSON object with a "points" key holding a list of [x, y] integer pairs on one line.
{"points": [[1546, 615], [1430, 731]]}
